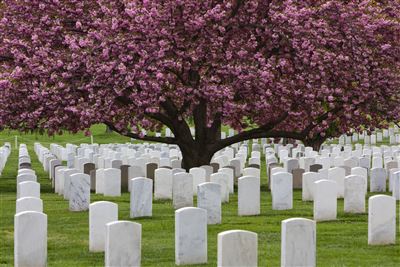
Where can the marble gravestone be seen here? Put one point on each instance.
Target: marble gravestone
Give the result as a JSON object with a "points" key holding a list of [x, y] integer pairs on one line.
{"points": [[223, 180], [29, 204], [378, 180], [248, 196], [209, 170], [230, 173], [291, 164], [251, 171], [282, 191], [67, 182], [100, 181], [354, 194], [309, 179], [396, 185], [381, 220], [79, 194], [25, 177], [59, 178], [141, 197], [182, 190], [30, 239], [123, 244], [337, 175], [163, 183], [209, 199], [298, 242], [134, 172], [325, 200], [112, 182], [237, 248], [28, 189], [199, 177], [116, 164], [100, 213], [190, 236]]}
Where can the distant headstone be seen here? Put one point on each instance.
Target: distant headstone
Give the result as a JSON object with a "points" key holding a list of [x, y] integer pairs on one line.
{"points": [[182, 190], [248, 196], [209, 198], [325, 200], [141, 197], [79, 194]]}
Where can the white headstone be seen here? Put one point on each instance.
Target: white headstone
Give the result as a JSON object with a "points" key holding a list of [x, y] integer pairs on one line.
{"points": [[381, 220], [325, 200], [337, 175], [100, 181], [67, 182], [28, 189], [248, 196], [378, 180], [282, 191], [237, 248], [182, 190], [112, 182], [209, 198], [230, 174], [354, 194], [199, 177], [163, 183], [298, 242], [79, 194], [30, 239], [123, 244], [29, 204], [308, 185], [100, 213], [141, 197], [25, 177], [190, 236], [223, 180]]}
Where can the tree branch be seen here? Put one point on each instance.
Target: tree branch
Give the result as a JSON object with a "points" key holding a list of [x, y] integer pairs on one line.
{"points": [[166, 140]]}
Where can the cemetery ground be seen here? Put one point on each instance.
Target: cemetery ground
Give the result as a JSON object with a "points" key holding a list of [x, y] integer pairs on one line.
{"points": [[339, 243]]}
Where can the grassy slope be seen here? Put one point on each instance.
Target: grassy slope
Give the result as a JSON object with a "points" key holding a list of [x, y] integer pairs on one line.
{"points": [[340, 243]]}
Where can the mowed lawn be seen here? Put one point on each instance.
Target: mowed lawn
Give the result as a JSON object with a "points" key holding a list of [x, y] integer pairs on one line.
{"points": [[339, 243]]}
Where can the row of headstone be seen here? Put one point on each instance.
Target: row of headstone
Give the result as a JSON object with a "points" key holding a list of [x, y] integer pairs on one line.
{"points": [[71, 183], [30, 223], [121, 240]]}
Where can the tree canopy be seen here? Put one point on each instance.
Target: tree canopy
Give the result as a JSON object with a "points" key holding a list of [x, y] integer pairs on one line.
{"points": [[267, 68]]}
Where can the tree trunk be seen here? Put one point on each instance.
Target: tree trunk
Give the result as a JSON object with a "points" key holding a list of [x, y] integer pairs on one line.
{"points": [[315, 142], [195, 158], [108, 129]]}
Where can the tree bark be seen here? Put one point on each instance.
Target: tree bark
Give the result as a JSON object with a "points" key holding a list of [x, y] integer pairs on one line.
{"points": [[315, 142]]}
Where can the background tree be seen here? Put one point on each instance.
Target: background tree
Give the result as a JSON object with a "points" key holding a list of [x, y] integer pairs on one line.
{"points": [[266, 68]]}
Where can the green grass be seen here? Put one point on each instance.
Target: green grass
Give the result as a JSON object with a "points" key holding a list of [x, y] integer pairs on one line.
{"points": [[339, 243]]}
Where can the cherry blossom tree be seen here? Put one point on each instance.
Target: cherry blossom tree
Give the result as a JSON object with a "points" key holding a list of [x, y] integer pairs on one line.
{"points": [[267, 68]]}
